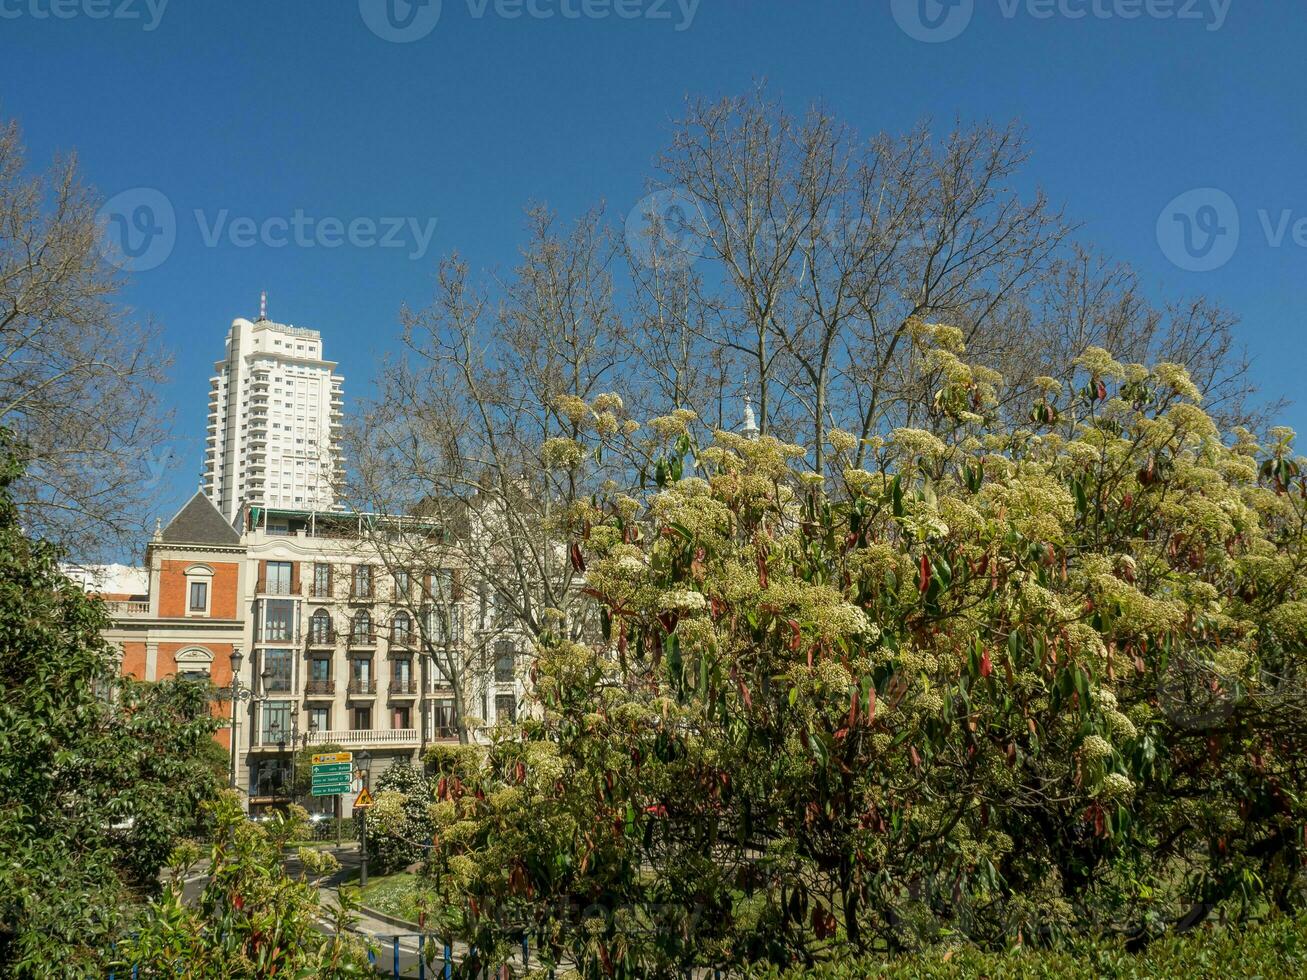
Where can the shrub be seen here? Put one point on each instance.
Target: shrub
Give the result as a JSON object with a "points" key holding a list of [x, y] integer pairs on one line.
{"points": [[1030, 675], [399, 829]]}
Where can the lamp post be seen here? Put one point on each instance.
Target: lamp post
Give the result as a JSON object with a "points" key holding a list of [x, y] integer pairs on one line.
{"points": [[238, 692]]}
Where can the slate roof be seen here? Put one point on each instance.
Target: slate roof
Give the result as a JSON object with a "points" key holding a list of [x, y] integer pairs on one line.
{"points": [[199, 522]]}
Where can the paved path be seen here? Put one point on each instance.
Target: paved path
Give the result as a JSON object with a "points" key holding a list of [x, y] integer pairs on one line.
{"points": [[382, 934]]}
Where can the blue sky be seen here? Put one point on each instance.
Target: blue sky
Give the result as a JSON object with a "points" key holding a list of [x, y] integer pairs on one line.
{"points": [[261, 110]]}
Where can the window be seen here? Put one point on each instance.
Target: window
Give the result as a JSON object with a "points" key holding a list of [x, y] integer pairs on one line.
{"points": [[362, 582], [278, 620], [402, 583], [278, 580], [320, 627], [361, 681], [361, 720], [321, 580], [505, 707], [437, 618], [194, 664], [320, 719], [198, 592], [276, 722], [361, 628], [401, 628], [505, 661], [270, 777], [443, 724], [401, 676], [276, 663], [401, 717], [320, 669]]}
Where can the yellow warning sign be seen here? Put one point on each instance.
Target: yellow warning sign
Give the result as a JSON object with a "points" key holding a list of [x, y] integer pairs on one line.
{"points": [[323, 758], [364, 799]]}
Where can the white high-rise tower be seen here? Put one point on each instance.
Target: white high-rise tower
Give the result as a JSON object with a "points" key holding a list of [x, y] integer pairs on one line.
{"points": [[275, 411]]}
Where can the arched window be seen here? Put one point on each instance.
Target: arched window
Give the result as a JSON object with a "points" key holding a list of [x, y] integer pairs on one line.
{"points": [[320, 627], [362, 629], [401, 628], [194, 664]]}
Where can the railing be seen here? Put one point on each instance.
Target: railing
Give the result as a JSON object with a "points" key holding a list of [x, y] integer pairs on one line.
{"points": [[263, 587], [361, 595], [404, 687], [357, 639], [366, 738], [126, 607], [403, 638], [318, 688], [362, 687], [321, 637]]}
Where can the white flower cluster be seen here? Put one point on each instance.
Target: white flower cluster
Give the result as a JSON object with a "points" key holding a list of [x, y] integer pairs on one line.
{"points": [[562, 454], [1095, 747], [684, 600], [1117, 786]]}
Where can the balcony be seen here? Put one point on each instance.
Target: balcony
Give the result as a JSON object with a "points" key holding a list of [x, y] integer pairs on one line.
{"points": [[319, 688], [357, 640], [394, 738], [322, 638], [127, 608], [405, 639], [361, 594], [362, 689], [404, 688]]}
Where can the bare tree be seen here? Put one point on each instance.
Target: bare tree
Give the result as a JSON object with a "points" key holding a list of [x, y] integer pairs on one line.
{"points": [[79, 375], [456, 434]]}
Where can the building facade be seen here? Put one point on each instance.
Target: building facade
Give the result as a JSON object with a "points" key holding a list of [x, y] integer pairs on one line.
{"points": [[333, 645], [182, 615], [275, 412]]}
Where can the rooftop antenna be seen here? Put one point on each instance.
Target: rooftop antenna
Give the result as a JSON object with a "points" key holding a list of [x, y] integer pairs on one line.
{"points": [[263, 305]]}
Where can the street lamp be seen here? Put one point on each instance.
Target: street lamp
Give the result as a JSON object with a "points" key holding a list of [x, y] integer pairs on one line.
{"points": [[239, 692]]}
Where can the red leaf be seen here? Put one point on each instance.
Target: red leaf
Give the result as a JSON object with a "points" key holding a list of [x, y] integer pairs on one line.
{"points": [[871, 704], [578, 562], [986, 665], [924, 582], [796, 635]]}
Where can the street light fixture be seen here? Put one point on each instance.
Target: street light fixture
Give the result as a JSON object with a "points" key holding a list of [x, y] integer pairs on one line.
{"points": [[239, 692]]}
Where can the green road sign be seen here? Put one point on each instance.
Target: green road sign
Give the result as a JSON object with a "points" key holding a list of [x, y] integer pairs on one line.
{"points": [[326, 769], [332, 777], [332, 790]]}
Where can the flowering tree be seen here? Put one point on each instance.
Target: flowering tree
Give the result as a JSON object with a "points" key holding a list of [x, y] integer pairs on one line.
{"points": [[1013, 677]]}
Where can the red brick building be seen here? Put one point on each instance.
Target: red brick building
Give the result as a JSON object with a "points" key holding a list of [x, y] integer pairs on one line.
{"points": [[188, 619]]}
